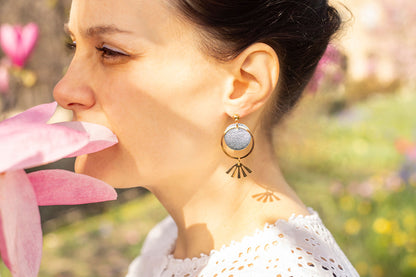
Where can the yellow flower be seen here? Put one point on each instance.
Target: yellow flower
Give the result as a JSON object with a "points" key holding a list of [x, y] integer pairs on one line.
{"points": [[28, 78], [382, 226], [347, 203], [352, 226]]}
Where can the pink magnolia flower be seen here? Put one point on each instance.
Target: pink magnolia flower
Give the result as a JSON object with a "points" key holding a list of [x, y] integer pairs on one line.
{"points": [[27, 141], [18, 42]]}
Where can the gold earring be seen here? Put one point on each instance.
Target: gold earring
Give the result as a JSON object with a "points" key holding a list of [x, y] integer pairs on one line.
{"points": [[237, 143]]}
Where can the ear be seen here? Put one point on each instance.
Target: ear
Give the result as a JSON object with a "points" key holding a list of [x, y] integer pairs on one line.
{"points": [[255, 73]]}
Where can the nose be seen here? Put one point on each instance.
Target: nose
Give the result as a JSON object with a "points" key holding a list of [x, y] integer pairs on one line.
{"points": [[74, 91]]}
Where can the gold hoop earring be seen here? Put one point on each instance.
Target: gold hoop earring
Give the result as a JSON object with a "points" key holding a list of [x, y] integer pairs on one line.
{"points": [[237, 143]]}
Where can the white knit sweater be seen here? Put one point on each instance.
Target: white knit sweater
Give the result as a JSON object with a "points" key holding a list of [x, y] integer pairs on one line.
{"points": [[301, 246]]}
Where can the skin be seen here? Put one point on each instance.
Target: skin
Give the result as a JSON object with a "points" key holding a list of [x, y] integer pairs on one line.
{"points": [[169, 103]]}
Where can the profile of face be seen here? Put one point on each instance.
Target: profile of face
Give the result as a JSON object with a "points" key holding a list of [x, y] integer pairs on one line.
{"points": [[139, 70]]}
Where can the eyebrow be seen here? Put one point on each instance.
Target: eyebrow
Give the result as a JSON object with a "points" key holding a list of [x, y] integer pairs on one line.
{"points": [[99, 30]]}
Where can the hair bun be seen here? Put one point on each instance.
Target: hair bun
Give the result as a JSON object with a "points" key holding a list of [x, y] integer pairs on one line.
{"points": [[333, 21]]}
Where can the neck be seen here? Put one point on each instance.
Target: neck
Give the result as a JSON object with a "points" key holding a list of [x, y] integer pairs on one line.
{"points": [[213, 209]]}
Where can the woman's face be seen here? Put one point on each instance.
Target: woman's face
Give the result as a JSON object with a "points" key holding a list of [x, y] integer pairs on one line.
{"points": [[138, 69]]}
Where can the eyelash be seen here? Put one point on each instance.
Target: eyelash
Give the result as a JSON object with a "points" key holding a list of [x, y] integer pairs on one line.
{"points": [[106, 53], [70, 45]]}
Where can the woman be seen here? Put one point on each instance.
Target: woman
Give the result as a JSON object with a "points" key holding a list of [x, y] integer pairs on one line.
{"points": [[192, 89]]}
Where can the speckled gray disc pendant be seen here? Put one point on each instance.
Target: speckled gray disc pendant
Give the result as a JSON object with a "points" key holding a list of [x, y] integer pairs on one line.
{"points": [[237, 143], [237, 137]]}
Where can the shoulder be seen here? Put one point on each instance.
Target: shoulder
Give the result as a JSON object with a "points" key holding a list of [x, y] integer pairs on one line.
{"points": [[161, 237], [155, 249], [301, 246]]}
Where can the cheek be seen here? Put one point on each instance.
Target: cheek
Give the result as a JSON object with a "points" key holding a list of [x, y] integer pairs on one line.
{"points": [[156, 97], [163, 114]]}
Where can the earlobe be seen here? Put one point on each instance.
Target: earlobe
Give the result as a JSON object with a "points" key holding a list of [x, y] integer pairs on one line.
{"points": [[255, 75]]}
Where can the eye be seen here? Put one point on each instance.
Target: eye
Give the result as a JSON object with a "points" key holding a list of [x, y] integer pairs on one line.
{"points": [[70, 44], [108, 52]]}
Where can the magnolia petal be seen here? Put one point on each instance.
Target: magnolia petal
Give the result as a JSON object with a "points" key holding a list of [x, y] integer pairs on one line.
{"points": [[100, 137], [61, 187], [29, 35], [18, 42], [38, 144], [9, 41], [38, 114], [20, 228]]}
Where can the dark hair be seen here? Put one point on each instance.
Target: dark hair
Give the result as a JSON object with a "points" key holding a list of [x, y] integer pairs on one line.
{"points": [[298, 30]]}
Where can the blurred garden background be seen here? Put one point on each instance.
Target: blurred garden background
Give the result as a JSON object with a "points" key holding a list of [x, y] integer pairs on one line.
{"points": [[349, 148]]}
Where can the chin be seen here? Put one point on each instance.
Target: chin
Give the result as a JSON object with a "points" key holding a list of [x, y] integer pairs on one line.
{"points": [[107, 167]]}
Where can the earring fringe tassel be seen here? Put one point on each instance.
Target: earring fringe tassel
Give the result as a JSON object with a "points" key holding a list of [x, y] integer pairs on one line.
{"points": [[238, 168]]}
